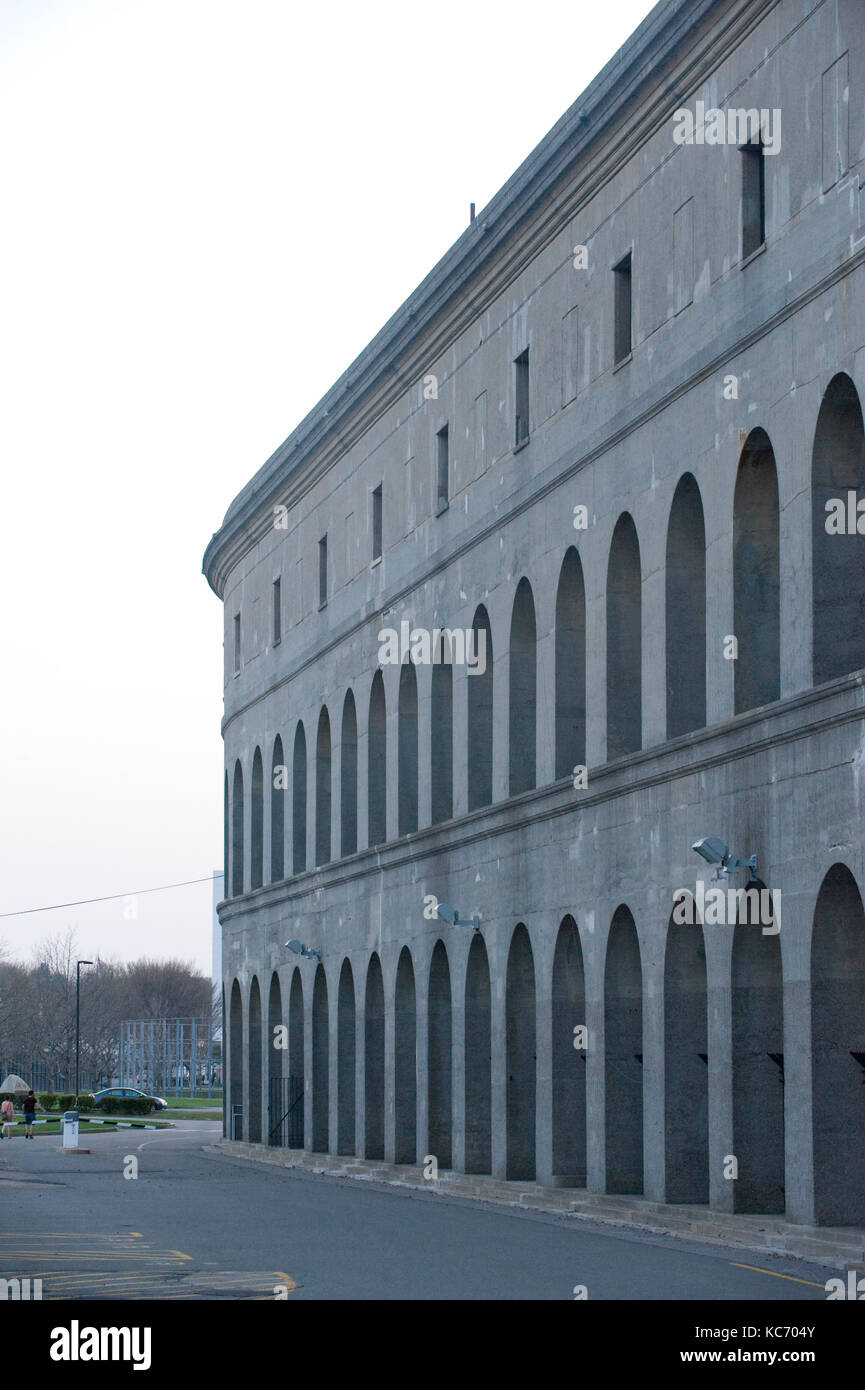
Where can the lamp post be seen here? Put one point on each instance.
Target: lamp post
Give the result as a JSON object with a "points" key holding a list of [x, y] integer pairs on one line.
{"points": [[78, 965]]}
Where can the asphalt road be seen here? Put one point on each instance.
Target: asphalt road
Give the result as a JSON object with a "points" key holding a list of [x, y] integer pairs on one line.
{"points": [[194, 1225]]}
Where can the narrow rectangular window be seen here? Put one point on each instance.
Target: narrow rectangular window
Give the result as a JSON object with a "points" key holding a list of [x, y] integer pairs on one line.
{"points": [[570, 356], [277, 611], [442, 469], [683, 255], [237, 644], [622, 309], [836, 123], [521, 367], [322, 571], [376, 522], [753, 198]]}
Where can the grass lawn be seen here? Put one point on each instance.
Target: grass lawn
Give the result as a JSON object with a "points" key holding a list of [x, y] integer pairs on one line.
{"points": [[55, 1126], [194, 1102], [194, 1114]]}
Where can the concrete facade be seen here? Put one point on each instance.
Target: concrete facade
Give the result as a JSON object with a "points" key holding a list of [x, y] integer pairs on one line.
{"points": [[694, 640]]}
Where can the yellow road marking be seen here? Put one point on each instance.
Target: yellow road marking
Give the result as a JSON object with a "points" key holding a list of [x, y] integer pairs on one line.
{"points": [[181, 1254], [775, 1275], [286, 1279]]}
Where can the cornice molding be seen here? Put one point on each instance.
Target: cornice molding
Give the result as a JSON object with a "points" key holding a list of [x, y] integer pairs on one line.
{"points": [[520, 220]]}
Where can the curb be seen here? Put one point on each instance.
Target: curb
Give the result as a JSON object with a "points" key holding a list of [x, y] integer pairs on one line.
{"points": [[835, 1248]]}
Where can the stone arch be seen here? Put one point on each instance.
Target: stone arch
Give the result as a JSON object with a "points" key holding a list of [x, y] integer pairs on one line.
{"points": [[405, 1061], [407, 750], [624, 642], [570, 666], [322, 789], [478, 1062], [686, 1064], [320, 1062], [237, 832], [296, 1058], [521, 1056], [838, 1050], [256, 846], [348, 778], [522, 692], [569, 1060], [345, 1061], [758, 1066], [278, 781], [623, 1062], [685, 579], [298, 801], [838, 558], [235, 1056], [756, 576], [254, 1054], [377, 762], [374, 1059], [439, 1069], [275, 1056], [479, 728], [441, 733]]}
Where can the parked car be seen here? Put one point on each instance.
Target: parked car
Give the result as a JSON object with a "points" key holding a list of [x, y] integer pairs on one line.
{"points": [[130, 1093]]}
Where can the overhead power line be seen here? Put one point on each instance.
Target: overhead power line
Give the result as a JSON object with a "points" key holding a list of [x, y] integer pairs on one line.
{"points": [[133, 893]]}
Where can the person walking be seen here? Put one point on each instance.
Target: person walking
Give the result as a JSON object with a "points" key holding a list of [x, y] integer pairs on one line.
{"points": [[7, 1117], [30, 1104]]}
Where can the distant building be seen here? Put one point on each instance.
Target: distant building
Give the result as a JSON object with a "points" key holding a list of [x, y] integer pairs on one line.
{"points": [[612, 437]]}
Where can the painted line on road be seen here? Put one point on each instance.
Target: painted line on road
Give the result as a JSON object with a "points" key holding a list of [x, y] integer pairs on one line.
{"points": [[775, 1275]]}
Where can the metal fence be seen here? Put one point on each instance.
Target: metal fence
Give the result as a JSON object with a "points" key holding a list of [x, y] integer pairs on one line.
{"points": [[170, 1056]]}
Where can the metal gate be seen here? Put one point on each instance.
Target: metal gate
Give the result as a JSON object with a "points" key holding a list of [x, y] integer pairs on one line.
{"points": [[285, 1112]]}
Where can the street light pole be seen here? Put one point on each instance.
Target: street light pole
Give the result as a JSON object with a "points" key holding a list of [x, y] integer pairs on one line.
{"points": [[78, 965]]}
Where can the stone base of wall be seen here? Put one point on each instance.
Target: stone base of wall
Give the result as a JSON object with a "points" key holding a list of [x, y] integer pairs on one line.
{"points": [[836, 1248]]}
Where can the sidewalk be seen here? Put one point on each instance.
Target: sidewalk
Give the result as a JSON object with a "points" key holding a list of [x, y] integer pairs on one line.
{"points": [[835, 1247]]}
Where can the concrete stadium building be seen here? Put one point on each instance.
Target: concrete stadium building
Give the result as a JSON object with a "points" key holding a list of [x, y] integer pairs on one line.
{"points": [[613, 445]]}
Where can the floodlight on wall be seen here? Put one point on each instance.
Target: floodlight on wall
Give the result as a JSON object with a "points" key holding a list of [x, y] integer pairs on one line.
{"points": [[451, 914], [714, 851], [301, 950]]}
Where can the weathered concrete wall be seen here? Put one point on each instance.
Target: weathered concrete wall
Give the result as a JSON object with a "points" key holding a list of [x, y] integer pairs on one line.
{"points": [[782, 780]]}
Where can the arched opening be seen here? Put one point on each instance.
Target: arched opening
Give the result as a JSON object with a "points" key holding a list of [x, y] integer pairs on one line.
{"points": [[758, 1062], [235, 1063], [226, 821], [686, 1065], [439, 1070], [838, 533], [377, 763], [348, 775], [479, 743], [441, 733], [275, 1055], [374, 1060], [254, 1051], [322, 789], [570, 666], [686, 610], [522, 686], [320, 1062], [345, 1062], [756, 576], [838, 1050], [624, 642], [256, 857], [278, 782], [405, 1062], [521, 1056], [237, 832], [623, 1038], [569, 1049], [298, 801], [296, 1060], [478, 1068], [407, 750]]}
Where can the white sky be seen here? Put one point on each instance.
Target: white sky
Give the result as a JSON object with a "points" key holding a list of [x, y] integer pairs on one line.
{"points": [[208, 209]]}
